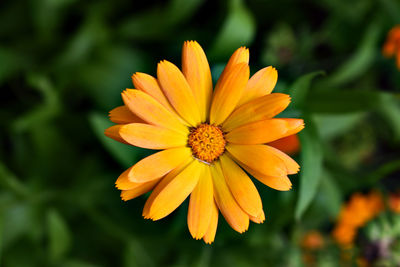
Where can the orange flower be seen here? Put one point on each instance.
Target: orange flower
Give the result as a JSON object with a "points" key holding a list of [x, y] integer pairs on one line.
{"points": [[360, 210], [394, 203], [208, 139], [312, 240], [392, 45], [344, 234]]}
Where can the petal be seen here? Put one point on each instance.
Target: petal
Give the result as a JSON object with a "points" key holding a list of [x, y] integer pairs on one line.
{"points": [[178, 92], [258, 109], [259, 158], [258, 132], [137, 191], [281, 183], [227, 204], [123, 115], [198, 75], [294, 126], [152, 137], [158, 164], [241, 186], [148, 84], [227, 92], [151, 110], [212, 227], [260, 84], [201, 205], [123, 182], [291, 165], [289, 144], [174, 191], [113, 132], [258, 219], [241, 55]]}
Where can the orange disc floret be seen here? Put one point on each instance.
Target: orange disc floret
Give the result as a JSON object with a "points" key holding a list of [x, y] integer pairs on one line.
{"points": [[207, 142]]}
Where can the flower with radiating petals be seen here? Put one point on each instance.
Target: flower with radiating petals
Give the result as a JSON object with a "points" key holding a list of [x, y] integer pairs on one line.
{"points": [[208, 139], [391, 48]]}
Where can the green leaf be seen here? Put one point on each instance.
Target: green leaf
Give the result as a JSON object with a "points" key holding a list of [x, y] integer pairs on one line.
{"points": [[238, 30], [361, 60], [333, 125], [345, 101], [126, 155], [136, 255], [59, 236], [330, 195], [390, 111], [299, 89], [311, 166]]}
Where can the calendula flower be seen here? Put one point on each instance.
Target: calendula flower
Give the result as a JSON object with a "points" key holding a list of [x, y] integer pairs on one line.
{"points": [[392, 45], [358, 211], [312, 240], [208, 140], [394, 203]]}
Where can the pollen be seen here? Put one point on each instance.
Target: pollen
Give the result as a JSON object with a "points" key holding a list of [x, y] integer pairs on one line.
{"points": [[207, 142]]}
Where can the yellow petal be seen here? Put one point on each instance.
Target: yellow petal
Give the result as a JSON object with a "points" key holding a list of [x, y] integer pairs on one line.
{"points": [[158, 164], [260, 84], [241, 55], [227, 204], [281, 183], [198, 75], [164, 182], [123, 182], [227, 93], [294, 125], [291, 165], [258, 219], [137, 191], [258, 109], [151, 111], [259, 158], [201, 205], [151, 136], [113, 132], [258, 132], [123, 115], [212, 227], [175, 191], [241, 186], [178, 92], [148, 84]]}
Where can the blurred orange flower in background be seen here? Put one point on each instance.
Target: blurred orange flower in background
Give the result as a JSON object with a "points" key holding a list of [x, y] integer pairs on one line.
{"points": [[392, 45], [359, 210], [394, 202]]}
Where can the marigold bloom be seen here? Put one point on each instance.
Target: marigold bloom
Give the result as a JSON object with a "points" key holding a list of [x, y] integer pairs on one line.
{"points": [[208, 140], [313, 240], [358, 211], [392, 45], [394, 203], [290, 145]]}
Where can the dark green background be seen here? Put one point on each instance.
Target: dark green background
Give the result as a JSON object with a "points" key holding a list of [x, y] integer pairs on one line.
{"points": [[64, 63]]}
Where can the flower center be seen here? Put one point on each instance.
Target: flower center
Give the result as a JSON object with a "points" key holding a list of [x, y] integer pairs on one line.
{"points": [[207, 142]]}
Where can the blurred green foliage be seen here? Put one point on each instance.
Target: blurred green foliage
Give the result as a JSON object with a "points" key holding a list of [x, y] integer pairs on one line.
{"points": [[63, 64]]}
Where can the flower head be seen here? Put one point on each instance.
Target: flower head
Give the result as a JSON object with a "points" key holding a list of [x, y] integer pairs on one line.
{"points": [[355, 214], [208, 140], [392, 45]]}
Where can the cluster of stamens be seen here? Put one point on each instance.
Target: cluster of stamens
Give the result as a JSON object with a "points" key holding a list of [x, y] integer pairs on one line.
{"points": [[207, 142]]}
